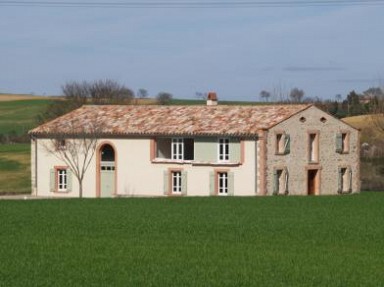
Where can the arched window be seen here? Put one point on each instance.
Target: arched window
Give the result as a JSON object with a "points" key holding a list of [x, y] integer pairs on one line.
{"points": [[107, 153]]}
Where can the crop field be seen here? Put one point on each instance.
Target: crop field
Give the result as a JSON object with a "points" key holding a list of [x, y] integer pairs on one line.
{"points": [[273, 241], [19, 116], [15, 169]]}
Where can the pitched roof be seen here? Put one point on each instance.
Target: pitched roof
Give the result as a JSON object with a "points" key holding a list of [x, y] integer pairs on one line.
{"points": [[170, 120]]}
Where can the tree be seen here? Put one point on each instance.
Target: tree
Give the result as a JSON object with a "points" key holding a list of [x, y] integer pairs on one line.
{"points": [[296, 95], [164, 98], [265, 95], [378, 113], [75, 146], [76, 94], [142, 93]]}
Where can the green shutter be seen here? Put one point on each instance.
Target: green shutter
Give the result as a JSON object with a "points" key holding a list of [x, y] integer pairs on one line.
{"points": [[286, 191], [275, 182], [212, 183], [166, 182], [350, 180], [231, 183], [184, 183], [287, 144], [69, 180], [205, 149], [339, 143], [234, 150], [340, 181], [52, 181]]}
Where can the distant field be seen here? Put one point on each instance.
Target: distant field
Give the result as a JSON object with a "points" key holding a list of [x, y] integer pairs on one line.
{"points": [[369, 133], [15, 169], [273, 241], [20, 115], [20, 97]]}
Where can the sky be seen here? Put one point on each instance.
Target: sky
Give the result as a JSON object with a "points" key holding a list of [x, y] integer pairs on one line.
{"points": [[236, 52]]}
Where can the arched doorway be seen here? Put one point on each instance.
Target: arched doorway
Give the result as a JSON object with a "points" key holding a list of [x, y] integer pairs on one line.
{"points": [[106, 170]]}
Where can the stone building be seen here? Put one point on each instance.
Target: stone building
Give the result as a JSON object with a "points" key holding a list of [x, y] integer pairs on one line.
{"points": [[211, 150]]}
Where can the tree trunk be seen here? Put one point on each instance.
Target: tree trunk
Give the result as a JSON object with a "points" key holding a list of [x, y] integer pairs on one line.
{"points": [[80, 188]]}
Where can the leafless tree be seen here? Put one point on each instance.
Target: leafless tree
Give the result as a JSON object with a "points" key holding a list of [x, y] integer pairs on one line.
{"points": [[74, 144], [296, 95], [142, 93], [164, 98], [265, 95], [378, 113]]}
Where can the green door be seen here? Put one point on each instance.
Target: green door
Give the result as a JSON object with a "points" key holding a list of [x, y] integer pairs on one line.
{"points": [[107, 179]]}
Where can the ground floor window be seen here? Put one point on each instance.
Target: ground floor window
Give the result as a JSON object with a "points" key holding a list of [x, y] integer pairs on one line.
{"points": [[176, 182], [280, 181], [62, 180], [222, 183], [345, 180]]}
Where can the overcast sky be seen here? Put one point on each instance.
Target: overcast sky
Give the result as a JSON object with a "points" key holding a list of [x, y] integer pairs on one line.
{"points": [[236, 52]]}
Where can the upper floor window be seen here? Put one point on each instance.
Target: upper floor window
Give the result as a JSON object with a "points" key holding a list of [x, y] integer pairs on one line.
{"points": [[175, 148], [223, 149], [342, 142], [283, 143], [60, 144], [313, 146]]}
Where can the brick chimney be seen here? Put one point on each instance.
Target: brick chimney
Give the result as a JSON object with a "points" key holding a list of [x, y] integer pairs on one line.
{"points": [[212, 99]]}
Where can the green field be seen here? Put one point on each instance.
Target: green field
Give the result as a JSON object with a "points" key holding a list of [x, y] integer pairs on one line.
{"points": [[20, 116], [15, 169], [272, 241]]}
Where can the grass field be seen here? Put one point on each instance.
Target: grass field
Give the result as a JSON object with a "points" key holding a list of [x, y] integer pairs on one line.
{"points": [[15, 169], [19, 116], [274, 241]]}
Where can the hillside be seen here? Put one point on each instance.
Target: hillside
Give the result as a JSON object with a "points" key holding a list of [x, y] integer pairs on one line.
{"points": [[369, 133]]}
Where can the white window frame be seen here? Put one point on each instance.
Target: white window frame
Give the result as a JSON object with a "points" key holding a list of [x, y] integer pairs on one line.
{"points": [[223, 150], [177, 151], [176, 182], [222, 183], [62, 179]]}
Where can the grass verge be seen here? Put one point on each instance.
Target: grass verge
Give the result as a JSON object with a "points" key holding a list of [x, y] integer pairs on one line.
{"points": [[274, 241]]}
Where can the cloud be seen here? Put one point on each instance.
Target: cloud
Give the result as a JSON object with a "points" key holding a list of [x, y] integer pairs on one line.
{"points": [[312, 69]]}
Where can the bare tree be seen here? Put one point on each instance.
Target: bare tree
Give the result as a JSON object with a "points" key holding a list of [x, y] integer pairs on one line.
{"points": [[378, 113], [164, 98], [142, 93], [74, 144], [265, 95], [296, 95], [76, 94]]}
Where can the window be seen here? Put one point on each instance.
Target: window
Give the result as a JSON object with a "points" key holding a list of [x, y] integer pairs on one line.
{"points": [[283, 143], [342, 142], [345, 180], [175, 148], [222, 183], [60, 144], [224, 149], [61, 180], [176, 182], [313, 147], [280, 181]]}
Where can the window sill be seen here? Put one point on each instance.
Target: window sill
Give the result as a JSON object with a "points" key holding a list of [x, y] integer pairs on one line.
{"points": [[194, 163]]}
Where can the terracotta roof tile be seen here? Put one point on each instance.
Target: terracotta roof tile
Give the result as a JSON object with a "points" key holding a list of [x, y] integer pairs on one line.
{"points": [[170, 120]]}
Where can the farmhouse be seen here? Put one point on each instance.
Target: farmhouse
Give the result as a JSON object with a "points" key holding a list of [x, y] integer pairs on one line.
{"points": [[207, 150]]}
